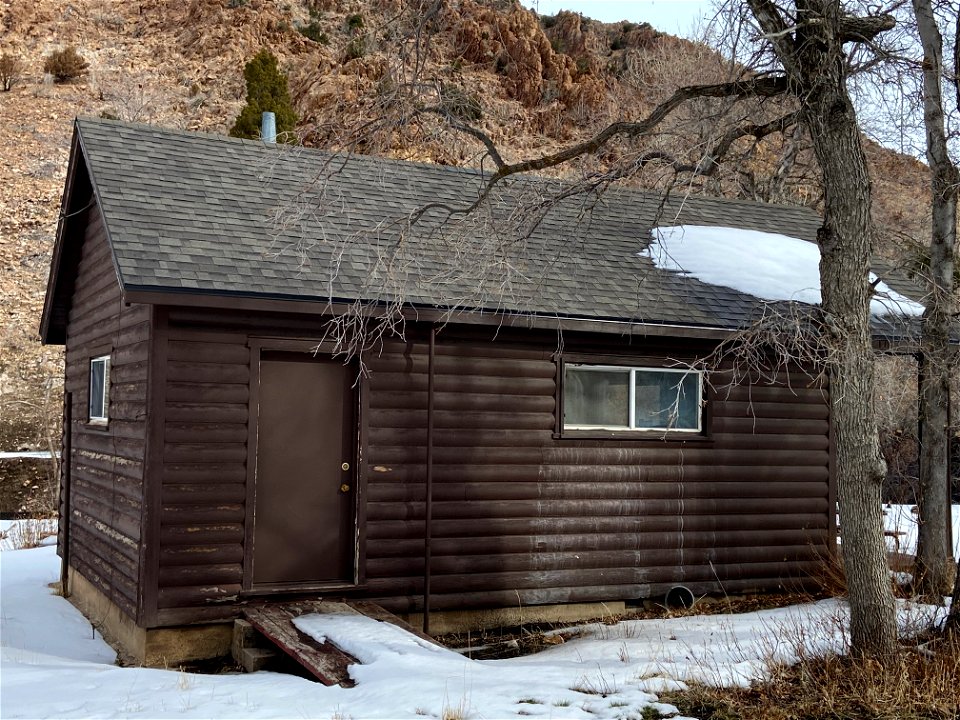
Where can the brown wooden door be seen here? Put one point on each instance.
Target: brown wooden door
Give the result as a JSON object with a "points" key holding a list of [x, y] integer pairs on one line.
{"points": [[303, 528]]}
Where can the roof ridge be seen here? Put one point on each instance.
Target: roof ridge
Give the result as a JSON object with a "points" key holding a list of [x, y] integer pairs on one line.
{"points": [[433, 167]]}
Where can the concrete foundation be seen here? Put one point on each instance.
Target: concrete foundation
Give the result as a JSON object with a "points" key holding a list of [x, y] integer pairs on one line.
{"points": [[155, 647], [456, 621], [173, 646]]}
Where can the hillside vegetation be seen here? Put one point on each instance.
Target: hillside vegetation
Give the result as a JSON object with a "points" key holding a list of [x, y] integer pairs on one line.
{"points": [[532, 83]]}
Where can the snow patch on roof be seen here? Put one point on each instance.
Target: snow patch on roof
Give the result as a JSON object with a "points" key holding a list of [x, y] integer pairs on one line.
{"points": [[767, 265]]}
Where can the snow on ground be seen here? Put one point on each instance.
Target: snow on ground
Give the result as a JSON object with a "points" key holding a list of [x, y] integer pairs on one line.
{"points": [[53, 665], [767, 265], [900, 518], [27, 454]]}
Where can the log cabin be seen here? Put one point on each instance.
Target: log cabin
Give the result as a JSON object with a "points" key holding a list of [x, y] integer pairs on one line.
{"points": [[295, 374]]}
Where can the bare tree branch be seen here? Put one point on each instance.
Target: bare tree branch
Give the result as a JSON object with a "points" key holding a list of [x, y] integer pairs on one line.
{"points": [[458, 124], [864, 29], [765, 86]]}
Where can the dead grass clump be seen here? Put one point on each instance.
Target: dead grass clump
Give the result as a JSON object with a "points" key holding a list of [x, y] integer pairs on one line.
{"points": [[829, 576], [920, 684], [28, 533]]}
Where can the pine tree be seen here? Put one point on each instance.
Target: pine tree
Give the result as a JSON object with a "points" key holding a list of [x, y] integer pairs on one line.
{"points": [[266, 92]]}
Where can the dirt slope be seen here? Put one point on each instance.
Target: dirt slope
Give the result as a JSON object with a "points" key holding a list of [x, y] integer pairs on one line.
{"points": [[543, 82]]}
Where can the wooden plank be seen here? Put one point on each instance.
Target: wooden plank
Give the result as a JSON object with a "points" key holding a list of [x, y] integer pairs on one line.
{"points": [[493, 365], [226, 352], [464, 383], [325, 661], [209, 554], [462, 401], [199, 493], [206, 412], [467, 546], [372, 610], [409, 418], [586, 491], [208, 372]]}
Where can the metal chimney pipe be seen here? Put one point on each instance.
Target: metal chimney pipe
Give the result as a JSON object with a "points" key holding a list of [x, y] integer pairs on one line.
{"points": [[268, 127]]}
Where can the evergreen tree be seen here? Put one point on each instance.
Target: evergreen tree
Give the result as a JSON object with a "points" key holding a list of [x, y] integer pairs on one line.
{"points": [[266, 92]]}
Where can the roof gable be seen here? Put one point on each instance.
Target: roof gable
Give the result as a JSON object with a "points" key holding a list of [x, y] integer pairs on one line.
{"points": [[78, 202]]}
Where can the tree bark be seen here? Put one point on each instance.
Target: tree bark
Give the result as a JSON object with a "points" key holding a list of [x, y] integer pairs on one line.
{"points": [[813, 58], [934, 564]]}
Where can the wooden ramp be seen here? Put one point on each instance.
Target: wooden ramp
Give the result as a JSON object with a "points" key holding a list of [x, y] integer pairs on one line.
{"points": [[325, 661]]}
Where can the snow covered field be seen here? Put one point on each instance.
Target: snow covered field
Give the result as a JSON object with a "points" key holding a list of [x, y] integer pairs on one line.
{"points": [[54, 665]]}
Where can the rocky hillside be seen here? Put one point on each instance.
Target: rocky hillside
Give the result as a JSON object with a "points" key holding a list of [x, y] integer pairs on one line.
{"points": [[532, 83]]}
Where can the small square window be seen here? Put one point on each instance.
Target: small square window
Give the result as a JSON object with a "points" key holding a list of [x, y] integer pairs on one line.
{"points": [[610, 397], [99, 389]]}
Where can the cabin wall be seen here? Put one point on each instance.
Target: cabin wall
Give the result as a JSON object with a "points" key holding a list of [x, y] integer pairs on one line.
{"points": [[106, 463], [519, 514]]}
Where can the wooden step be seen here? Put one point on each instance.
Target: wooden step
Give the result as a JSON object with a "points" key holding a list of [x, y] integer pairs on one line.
{"points": [[325, 661], [253, 659]]}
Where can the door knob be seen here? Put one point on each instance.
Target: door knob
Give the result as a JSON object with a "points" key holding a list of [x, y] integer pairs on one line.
{"points": [[345, 467], [344, 488]]}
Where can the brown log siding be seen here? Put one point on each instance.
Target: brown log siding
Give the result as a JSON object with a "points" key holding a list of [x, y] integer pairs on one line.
{"points": [[519, 514], [106, 463], [523, 516], [204, 472]]}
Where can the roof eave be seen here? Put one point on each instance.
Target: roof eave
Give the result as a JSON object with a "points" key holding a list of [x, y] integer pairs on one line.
{"points": [[422, 313], [53, 278]]}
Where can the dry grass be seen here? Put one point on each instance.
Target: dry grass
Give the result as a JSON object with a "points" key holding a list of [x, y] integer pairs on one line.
{"points": [[460, 711], [28, 533], [920, 684]]}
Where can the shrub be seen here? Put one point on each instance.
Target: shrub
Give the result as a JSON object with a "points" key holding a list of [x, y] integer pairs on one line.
{"points": [[266, 92], [357, 48], [460, 103], [10, 69], [355, 23], [314, 32], [65, 65]]}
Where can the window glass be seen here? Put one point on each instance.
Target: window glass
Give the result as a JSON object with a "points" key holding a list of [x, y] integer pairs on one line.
{"points": [[627, 398], [667, 400], [596, 397], [99, 387]]}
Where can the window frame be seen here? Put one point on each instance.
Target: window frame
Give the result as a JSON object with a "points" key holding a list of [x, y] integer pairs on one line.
{"points": [[642, 364], [104, 418]]}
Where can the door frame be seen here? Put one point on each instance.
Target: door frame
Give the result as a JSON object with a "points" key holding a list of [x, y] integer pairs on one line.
{"points": [[358, 432]]}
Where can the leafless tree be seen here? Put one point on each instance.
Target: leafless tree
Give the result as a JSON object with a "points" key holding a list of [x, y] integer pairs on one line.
{"points": [[934, 556]]}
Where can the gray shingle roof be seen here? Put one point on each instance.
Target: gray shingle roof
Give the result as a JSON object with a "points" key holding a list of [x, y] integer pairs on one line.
{"points": [[191, 212]]}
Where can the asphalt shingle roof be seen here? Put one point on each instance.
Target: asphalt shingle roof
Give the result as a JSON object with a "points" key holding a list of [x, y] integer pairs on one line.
{"points": [[192, 212]]}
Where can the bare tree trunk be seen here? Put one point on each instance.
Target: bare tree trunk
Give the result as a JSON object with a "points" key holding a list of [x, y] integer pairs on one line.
{"points": [[953, 618], [813, 57], [934, 557], [844, 242]]}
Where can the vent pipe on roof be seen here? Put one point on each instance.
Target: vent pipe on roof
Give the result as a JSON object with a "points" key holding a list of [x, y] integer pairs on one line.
{"points": [[268, 127]]}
